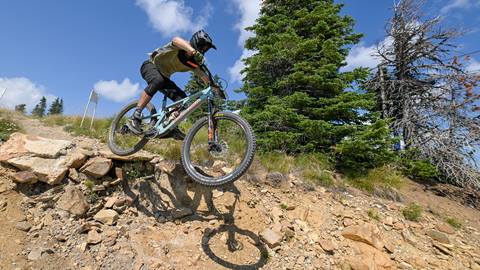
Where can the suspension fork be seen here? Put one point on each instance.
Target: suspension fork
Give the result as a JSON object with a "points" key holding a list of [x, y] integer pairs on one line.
{"points": [[212, 126]]}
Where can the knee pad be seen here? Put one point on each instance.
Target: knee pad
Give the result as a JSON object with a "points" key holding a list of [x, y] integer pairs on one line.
{"points": [[153, 86]]}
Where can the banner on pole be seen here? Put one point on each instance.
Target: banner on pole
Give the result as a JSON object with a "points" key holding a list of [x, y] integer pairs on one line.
{"points": [[93, 97]]}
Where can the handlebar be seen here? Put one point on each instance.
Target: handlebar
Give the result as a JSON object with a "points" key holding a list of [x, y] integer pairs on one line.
{"points": [[221, 93]]}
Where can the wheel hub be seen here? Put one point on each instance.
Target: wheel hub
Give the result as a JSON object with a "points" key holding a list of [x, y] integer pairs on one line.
{"points": [[219, 150]]}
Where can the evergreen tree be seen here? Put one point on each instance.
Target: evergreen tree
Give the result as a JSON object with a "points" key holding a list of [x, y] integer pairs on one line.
{"points": [[296, 92], [54, 107], [39, 109], [60, 107], [21, 108]]}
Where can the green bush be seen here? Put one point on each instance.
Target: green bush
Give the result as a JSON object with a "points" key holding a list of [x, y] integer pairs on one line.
{"points": [[417, 169], [7, 127], [412, 212], [366, 148], [454, 222], [372, 213]]}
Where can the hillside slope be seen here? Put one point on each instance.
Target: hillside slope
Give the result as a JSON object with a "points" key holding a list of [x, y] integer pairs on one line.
{"points": [[144, 213]]}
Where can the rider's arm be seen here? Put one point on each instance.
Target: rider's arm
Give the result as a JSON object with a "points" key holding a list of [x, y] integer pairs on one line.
{"points": [[183, 45]]}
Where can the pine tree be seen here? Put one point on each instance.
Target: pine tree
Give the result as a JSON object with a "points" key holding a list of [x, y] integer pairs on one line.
{"points": [[54, 107], [39, 109], [60, 107], [296, 94], [21, 108]]}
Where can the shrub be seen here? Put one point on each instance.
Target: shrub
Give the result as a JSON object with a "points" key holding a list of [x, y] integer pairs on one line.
{"points": [[382, 177], [7, 127], [372, 213], [454, 222], [412, 212], [367, 148], [417, 169]]}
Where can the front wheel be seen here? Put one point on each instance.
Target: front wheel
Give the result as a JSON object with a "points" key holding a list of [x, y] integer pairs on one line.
{"points": [[228, 159]]}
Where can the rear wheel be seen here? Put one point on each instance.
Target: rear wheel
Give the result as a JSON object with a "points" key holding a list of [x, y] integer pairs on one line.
{"points": [[121, 140], [224, 162]]}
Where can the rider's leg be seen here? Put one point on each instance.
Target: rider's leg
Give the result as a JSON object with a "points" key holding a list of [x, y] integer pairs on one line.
{"points": [[155, 81], [172, 91]]}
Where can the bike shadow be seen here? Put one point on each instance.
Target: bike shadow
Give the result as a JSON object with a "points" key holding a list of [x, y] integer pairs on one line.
{"points": [[170, 190]]}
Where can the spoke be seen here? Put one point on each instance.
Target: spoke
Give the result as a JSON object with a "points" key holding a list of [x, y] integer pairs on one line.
{"points": [[226, 155]]}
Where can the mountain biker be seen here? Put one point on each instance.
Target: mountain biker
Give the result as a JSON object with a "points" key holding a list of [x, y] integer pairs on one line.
{"points": [[176, 56]]}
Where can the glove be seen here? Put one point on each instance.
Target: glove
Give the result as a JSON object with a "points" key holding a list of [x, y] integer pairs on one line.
{"points": [[199, 58]]}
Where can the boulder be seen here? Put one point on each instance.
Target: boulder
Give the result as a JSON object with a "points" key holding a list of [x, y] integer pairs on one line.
{"points": [[271, 238], [108, 217], [97, 167], [50, 171], [275, 179], [73, 174], [23, 226], [35, 255], [94, 237], [21, 144], [25, 177], [76, 159], [438, 236], [366, 233], [328, 245], [110, 202], [367, 257], [445, 228], [73, 201], [139, 156]]}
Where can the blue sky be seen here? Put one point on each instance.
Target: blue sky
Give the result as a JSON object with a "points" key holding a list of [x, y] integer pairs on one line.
{"points": [[66, 48]]}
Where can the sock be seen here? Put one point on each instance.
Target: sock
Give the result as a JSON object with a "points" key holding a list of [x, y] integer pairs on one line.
{"points": [[138, 113]]}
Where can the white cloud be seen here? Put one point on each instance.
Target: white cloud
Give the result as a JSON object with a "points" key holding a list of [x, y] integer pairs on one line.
{"points": [[21, 90], [249, 12], [364, 56], [173, 16], [456, 4], [118, 92], [473, 66], [235, 70]]}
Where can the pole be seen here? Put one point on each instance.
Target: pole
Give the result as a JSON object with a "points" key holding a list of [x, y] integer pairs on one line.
{"points": [[86, 108], [93, 117], [4, 91]]}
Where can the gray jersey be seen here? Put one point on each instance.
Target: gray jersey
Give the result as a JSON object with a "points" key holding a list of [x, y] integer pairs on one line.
{"points": [[168, 59]]}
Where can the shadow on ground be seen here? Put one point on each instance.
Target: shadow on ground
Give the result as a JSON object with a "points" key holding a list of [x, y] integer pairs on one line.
{"points": [[161, 194]]}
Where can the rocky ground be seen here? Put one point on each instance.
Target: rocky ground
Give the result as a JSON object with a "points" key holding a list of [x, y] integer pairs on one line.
{"points": [[69, 203]]}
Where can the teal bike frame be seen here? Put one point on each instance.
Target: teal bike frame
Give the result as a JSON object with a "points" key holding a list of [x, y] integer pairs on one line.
{"points": [[198, 100]]}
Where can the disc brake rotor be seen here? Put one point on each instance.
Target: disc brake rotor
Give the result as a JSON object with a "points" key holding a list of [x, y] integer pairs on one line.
{"points": [[220, 151]]}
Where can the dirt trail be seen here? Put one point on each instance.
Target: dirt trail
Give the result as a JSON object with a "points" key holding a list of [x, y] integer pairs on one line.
{"points": [[172, 223], [34, 127]]}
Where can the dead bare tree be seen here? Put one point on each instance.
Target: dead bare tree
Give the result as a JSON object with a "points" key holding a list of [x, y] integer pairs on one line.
{"points": [[428, 94]]}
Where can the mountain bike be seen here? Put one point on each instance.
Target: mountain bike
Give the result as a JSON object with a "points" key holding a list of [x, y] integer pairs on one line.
{"points": [[217, 149]]}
